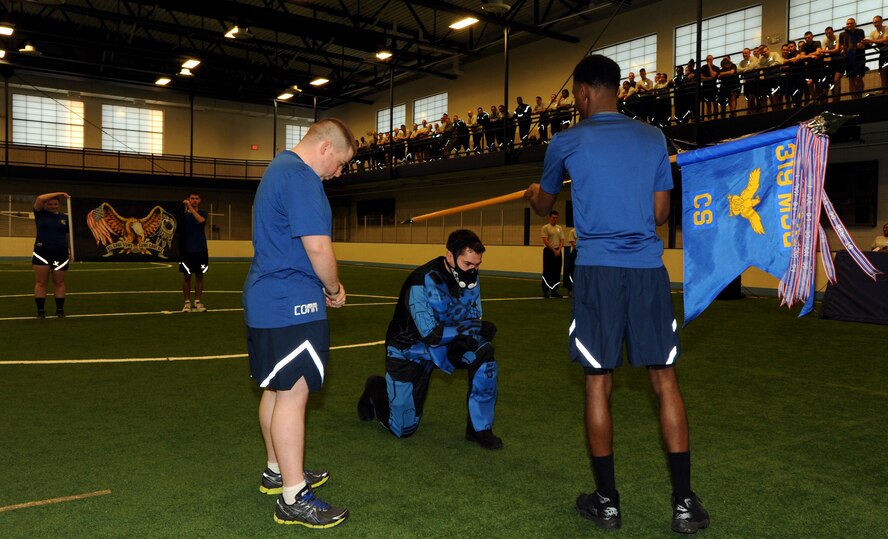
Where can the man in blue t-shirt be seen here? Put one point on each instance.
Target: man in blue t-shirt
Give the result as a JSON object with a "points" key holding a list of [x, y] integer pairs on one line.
{"points": [[621, 289], [193, 245], [292, 280]]}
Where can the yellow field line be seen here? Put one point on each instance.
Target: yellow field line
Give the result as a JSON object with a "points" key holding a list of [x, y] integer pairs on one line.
{"points": [[63, 499]]}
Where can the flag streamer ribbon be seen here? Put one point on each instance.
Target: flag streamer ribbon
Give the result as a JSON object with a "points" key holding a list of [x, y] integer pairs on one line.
{"points": [[808, 197]]}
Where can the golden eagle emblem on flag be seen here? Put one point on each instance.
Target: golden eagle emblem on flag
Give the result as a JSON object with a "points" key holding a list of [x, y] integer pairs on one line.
{"points": [[152, 234], [744, 204]]}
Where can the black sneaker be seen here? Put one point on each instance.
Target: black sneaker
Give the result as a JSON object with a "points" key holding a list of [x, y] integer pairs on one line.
{"points": [[366, 406], [41, 314], [688, 514], [309, 511], [60, 313], [603, 511], [273, 483], [484, 438]]}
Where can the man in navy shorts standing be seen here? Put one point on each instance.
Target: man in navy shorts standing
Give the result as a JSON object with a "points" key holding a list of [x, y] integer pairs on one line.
{"points": [[621, 289], [195, 257], [292, 280]]}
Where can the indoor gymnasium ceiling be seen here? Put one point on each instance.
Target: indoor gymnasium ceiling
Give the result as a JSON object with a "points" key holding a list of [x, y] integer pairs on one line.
{"points": [[286, 43]]}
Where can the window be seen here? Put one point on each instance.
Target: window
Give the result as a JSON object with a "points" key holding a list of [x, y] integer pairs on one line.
{"points": [[816, 15], [633, 55], [45, 121], [132, 129], [382, 119], [295, 133], [725, 34], [429, 108]]}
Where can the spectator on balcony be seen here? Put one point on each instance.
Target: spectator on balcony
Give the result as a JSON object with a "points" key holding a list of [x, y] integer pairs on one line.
{"points": [[708, 90], [509, 124], [494, 132], [644, 88], [833, 63], [810, 49], [679, 98], [879, 41], [855, 56], [769, 64], [729, 87], [748, 70], [482, 120], [540, 110], [662, 108], [552, 114], [423, 139], [565, 108], [523, 118], [793, 74], [459, 138], [474, 131]]}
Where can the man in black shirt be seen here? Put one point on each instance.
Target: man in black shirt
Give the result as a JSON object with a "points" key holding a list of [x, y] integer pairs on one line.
{"points": [[193, 245]]}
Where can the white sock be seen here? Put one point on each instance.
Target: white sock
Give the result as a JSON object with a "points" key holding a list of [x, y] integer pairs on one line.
{"points": [[273, 466], [290, 493]]}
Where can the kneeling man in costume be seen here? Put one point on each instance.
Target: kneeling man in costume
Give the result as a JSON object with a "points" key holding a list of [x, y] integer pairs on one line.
{"points": [[437, 323]]}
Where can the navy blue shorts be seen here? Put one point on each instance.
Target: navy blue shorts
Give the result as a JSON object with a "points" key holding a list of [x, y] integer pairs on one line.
{"points": [[55, 258], [194, 263], [613, 306], [279, 357]]}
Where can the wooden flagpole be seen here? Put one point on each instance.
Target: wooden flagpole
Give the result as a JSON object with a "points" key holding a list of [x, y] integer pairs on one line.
{"points": [[517, 195]]}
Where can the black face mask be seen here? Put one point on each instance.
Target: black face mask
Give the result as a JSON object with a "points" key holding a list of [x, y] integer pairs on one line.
{"points": [[465, 279]]}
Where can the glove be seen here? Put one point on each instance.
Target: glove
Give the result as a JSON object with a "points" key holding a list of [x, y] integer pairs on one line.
{"points": [[488, 330]]}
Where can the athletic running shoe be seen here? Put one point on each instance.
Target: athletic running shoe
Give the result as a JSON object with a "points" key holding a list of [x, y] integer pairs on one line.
{"points": [[41, 314], [273, 483], [603, 511], [309, 511], [60, 313], [187, 307], [199, 307], [484, 438], [688, 514]]}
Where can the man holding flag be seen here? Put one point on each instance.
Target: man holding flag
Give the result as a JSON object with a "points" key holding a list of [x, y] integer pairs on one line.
{"points": [[621, 289]]}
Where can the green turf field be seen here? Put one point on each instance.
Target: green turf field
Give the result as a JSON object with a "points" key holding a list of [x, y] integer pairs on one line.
{"points": [[787, 420]]}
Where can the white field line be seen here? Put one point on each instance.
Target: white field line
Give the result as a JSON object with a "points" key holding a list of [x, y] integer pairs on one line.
{"points": [[53, 500], [153, 359]]}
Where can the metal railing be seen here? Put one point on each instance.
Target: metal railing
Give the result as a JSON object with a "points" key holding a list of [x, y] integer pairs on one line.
{"points": [[122, 162]]}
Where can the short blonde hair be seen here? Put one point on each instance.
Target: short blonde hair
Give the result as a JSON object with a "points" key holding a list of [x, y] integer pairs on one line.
{"points": [[334, 130]]}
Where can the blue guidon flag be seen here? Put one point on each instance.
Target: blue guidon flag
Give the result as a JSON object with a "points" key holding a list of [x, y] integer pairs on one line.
{"points": [[755, 202]]}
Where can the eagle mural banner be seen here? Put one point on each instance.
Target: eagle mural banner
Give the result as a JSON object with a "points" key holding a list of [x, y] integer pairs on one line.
{"points": [[756, 202], [113, 230]]}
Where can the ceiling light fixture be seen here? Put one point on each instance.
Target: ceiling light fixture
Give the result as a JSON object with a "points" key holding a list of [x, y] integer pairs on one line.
{"points": [[185, 72], [191, 63], [239, 33], [163, 81], [284, 96], [459, 25], [6, 29], [320, 81], [296, 88], [383, 55], [30, 49], [2, 54]]}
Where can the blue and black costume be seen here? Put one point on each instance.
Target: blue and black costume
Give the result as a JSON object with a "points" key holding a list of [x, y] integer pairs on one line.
{"points": [[437, 323]]}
